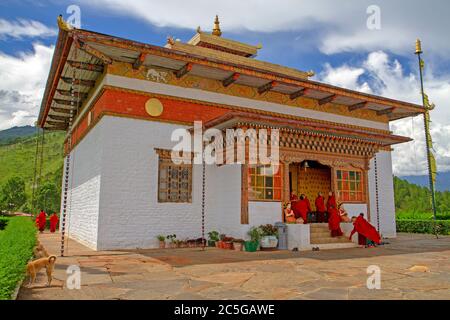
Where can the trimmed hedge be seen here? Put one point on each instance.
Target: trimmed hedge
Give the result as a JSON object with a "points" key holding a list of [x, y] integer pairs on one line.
{"points": [[424, 226], [17, 241]]}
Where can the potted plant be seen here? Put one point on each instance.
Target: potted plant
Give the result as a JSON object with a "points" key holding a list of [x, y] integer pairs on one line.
{"points": [[162, 242], [269, 237], [228, 243], [220, 242], [173, 240], [213, 237], [237, 244], [255, 236]]}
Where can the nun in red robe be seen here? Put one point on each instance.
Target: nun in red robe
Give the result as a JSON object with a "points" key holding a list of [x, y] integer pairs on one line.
{"points": [[363, 227], [41, 221], [320, 207], [53, 222]]}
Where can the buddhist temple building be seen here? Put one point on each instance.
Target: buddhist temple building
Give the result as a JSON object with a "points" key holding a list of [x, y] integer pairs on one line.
{"points": [[119, 101]]}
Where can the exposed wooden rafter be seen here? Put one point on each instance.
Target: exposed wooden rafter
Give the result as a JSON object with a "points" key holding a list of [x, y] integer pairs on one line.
{"points": [[385, 111], [64, 102], [93, 52], [139, 61], [76, 94], [62, 110], [183, 71], [58, 118], [327, 99], [56, 123], [298, 93], [231, 79], [358, 106], [57, 127], [266, 87], [85, 83], [86, 66]]}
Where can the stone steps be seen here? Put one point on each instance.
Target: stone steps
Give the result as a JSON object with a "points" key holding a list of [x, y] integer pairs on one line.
{"points": [[320, 235]]}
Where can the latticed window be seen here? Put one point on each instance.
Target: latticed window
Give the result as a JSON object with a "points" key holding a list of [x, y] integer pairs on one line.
{"points": [[264, 183], [174, 182], [350, 185]]}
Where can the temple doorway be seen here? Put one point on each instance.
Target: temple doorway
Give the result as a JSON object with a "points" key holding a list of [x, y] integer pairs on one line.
{"points": [[309, 177]]}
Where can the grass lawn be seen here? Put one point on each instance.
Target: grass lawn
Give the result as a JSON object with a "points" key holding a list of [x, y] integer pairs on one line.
{"points": [[16, 248]]}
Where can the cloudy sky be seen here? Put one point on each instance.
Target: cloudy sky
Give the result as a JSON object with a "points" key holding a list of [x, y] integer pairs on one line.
{"points": [[343, 42]]}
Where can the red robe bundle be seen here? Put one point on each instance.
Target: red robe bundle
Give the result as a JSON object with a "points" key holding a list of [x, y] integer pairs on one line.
{"points": [[53, 222], [362, 226], [41, 220]]}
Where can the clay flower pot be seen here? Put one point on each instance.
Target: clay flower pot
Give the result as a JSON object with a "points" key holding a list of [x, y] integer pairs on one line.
{"points": [[162, 244], [228, 245], [237, 246]]}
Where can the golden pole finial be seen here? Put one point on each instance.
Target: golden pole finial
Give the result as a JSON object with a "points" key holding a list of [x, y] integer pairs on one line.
{"points": [[418, 47], [216, 30]]}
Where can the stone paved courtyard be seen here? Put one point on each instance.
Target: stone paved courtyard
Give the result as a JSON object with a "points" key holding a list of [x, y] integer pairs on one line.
{"points": [[222, 274]]}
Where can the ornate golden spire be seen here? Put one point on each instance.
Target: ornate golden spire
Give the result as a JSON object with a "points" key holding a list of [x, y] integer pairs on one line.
{"points": [[63, 24], [216, 31], [418, 46]]}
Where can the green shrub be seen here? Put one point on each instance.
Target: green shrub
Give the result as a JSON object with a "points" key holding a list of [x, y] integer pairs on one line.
{"points": [[3, 223], [424, 226], [16, 248]]}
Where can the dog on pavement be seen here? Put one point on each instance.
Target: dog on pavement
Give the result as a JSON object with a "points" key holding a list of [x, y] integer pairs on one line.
{"points": [[40, 252], [33, 267]]}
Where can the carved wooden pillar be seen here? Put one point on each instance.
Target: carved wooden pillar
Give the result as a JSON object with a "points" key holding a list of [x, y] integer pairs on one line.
{"points": [[244, 194], [286, 194], [366, 187]]}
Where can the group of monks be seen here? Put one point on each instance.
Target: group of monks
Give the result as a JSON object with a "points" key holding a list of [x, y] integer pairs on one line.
{"points": [[41, 221], [298, 209]]}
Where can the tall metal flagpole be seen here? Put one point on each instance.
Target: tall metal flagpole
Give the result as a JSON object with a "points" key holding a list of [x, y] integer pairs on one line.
{"points": [[426, 116]]}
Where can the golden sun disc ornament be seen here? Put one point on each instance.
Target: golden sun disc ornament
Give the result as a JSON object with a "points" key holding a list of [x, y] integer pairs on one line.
{"points": [[154, 107]]}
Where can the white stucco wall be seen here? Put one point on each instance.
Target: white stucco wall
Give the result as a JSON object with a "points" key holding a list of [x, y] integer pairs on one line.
{"points": [[84, 189], [385, 194]]}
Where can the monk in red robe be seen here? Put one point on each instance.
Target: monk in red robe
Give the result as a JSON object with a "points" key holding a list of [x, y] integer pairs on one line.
{"points": [[41, 221], [320, 207], [293, 197], [334, 219], [363, 227], [301, 208], [331, 202], [53, 222]]}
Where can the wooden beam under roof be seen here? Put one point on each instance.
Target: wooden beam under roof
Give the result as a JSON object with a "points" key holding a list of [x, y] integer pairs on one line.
{"points": [[82, 82], [58, 118], [298, 93], [385, 111], [357, 106], [64, 102], [63, 110], [57, 127], [139, 61], [266, 87], [93, 52], [327, 99], [86, 66], [76, 94], [231, 79], [56, 123], [183, 71]]}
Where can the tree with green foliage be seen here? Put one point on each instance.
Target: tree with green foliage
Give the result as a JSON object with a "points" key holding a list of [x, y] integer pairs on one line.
{"points": [[48, 197], [12, 194]]}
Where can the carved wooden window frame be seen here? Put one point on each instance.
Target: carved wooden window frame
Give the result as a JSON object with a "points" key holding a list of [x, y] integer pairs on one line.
{"points": [[358, 179], [174, 180]]}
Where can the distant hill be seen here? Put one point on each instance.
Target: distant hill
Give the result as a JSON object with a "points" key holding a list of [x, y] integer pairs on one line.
{"points": [[442, 181], [10, 135], [17, 158]]}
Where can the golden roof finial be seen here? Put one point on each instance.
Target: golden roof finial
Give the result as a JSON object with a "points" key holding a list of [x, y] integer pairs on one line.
{"points": [[418, 47], [63, 25], [216, 30]]}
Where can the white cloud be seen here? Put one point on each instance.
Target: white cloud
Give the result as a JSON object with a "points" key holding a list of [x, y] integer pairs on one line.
{"points": [[22, 86], [342, 27], [387, 78], [24, 28]]}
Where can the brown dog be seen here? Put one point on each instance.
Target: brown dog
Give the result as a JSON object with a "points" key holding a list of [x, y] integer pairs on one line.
{"points": [[35, 266], [40, 252]]}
